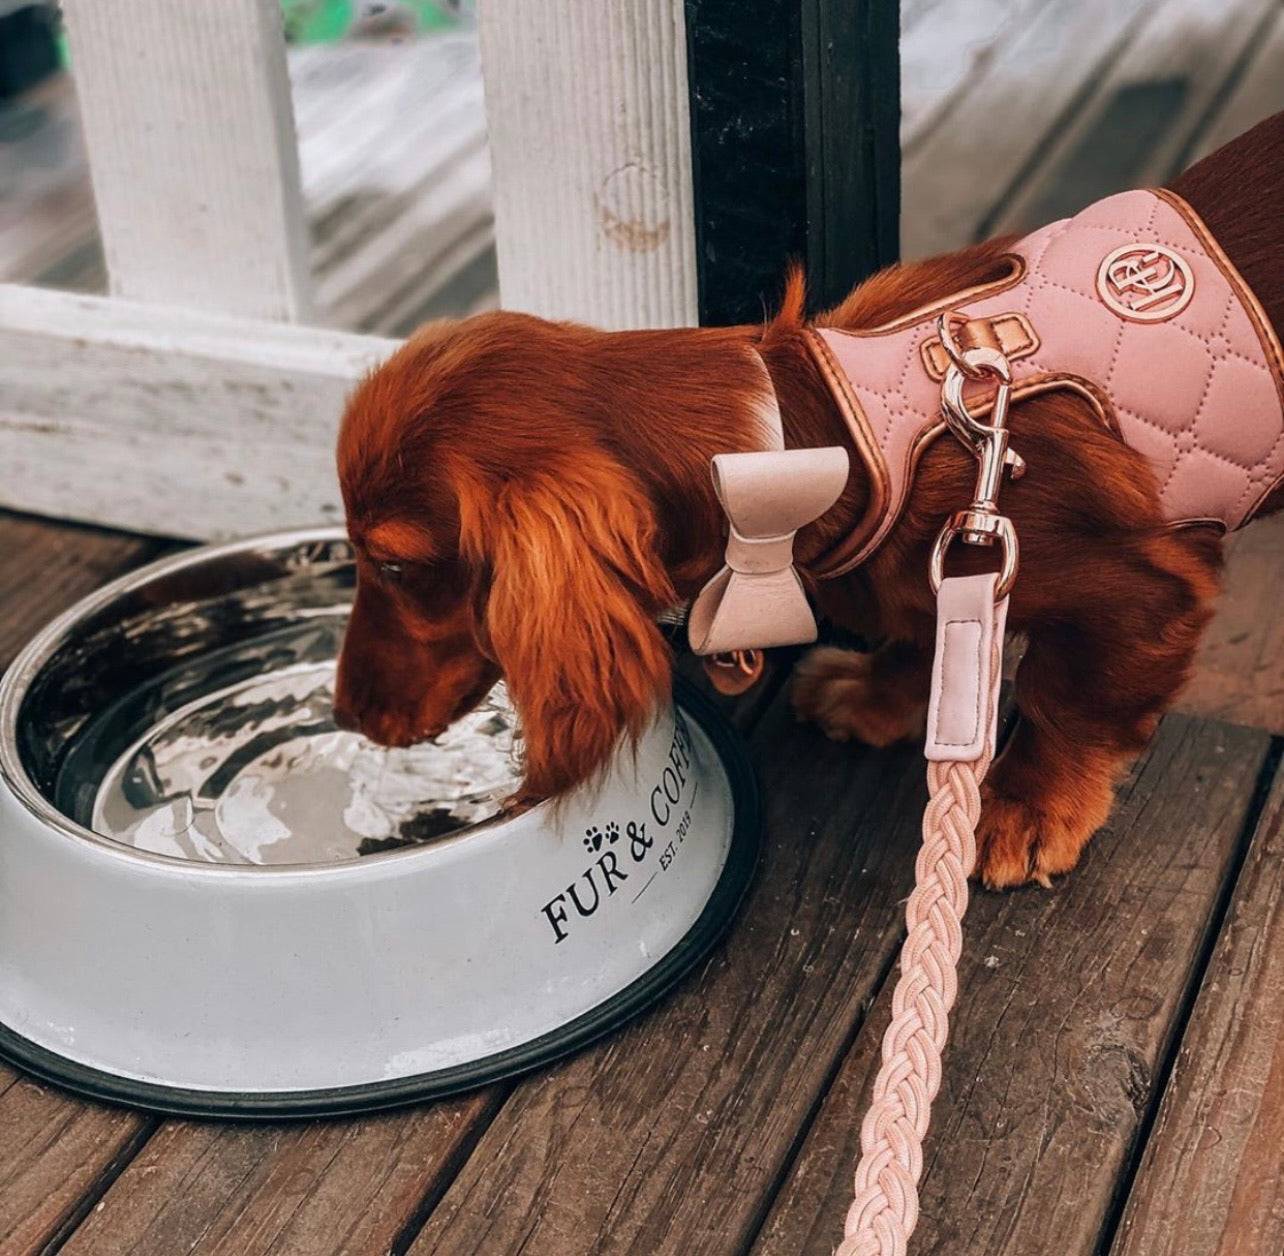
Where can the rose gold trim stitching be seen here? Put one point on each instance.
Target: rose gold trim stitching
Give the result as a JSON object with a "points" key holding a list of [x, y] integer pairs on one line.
{"points": [[977, 292], [1266, 335], [856, 550], [869, 533], [866, 445], [1271, 348], [1200, 522], [1277, 483]]}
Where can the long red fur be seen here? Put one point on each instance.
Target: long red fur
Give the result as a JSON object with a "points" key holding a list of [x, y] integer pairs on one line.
{"points": [[541, 491]]}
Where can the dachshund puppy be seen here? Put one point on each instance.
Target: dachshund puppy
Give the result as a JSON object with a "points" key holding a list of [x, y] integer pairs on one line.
{"points": [[525, 497]]}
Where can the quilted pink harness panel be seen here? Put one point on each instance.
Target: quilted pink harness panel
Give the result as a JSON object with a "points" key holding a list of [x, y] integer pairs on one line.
{"points": [[1128, 296]]}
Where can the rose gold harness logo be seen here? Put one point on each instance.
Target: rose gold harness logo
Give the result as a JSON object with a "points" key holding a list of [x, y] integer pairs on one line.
{"points": [[1145, 282]]}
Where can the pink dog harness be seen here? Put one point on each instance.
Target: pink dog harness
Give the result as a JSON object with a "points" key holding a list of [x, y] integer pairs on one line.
{"points": [[1130, 303]]}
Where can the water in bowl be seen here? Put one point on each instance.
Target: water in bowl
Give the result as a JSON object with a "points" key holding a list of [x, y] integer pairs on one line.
{"points": [[242, 763]]}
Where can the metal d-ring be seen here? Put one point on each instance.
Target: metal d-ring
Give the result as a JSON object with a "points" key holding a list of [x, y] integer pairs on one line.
{"points": [[956, 354], [969, 524]]}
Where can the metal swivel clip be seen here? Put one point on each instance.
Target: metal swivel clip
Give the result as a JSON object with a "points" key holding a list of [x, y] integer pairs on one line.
{"points": [[980, 523]]}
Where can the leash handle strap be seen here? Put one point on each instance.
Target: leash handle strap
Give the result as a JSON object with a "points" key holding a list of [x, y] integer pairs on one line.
{"points": [[962, 726], [961, 711]]}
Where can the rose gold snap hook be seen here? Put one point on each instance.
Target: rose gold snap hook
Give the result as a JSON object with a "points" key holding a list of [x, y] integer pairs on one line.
{"points": [[980, 523]]}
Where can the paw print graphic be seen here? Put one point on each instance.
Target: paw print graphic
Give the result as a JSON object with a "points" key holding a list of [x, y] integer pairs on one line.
{"points": [[593, 838], [612, 833]]}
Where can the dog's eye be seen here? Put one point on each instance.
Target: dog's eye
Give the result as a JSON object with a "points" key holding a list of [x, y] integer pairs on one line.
{"points": [[391, 572]]}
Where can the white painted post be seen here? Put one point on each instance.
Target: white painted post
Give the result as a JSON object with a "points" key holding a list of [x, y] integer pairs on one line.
{"points": [[169, 420], [190, 135], [591, 149]]}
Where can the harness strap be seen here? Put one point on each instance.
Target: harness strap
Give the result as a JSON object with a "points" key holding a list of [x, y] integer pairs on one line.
{"points": [[1009, 334], [1130, 304]]}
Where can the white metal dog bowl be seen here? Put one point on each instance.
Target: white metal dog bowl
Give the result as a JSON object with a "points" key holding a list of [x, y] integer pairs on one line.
{"points": [[271, 918]]}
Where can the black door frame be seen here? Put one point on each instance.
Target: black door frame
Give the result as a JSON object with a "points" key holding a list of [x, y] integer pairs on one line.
{"points": [[795, 120]]}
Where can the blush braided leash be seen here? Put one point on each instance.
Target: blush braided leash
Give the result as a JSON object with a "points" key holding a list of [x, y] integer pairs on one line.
{"points": [[884, 1211], [961, 728]]}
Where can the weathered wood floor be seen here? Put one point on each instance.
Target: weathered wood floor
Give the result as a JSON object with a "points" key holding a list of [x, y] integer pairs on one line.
{"points": [[1112, 1077], [1114, 1080]]}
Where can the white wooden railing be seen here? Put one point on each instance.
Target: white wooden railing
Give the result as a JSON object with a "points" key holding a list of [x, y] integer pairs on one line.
{"points": [[185, 403]]}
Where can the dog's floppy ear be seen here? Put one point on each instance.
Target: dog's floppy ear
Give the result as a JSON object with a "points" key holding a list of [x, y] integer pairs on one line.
{"points": [[575, 586]]}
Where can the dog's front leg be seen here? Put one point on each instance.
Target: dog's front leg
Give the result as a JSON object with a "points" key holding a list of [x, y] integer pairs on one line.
{"points": [[877, 698], [1090, 690]]}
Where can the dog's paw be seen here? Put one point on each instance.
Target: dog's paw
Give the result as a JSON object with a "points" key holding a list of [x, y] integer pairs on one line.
{"points": [[840, 691], [1020, 843]]}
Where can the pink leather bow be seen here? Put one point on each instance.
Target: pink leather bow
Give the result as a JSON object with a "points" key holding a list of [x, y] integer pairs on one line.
{"points": [[757, 599]]}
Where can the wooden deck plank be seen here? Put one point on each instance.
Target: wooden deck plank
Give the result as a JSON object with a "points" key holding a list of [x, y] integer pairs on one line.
{"points": [[46, 566], [57, 1150], [398, 211], [1211, 1182], [58, 1153], [998, 127], [437, 228], [302, 1189], [365, 112], [46, 209], [1067, 1004], [1258, 93], [1239, 675], [1145, 113], [667, 1138], [944, 52]]}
